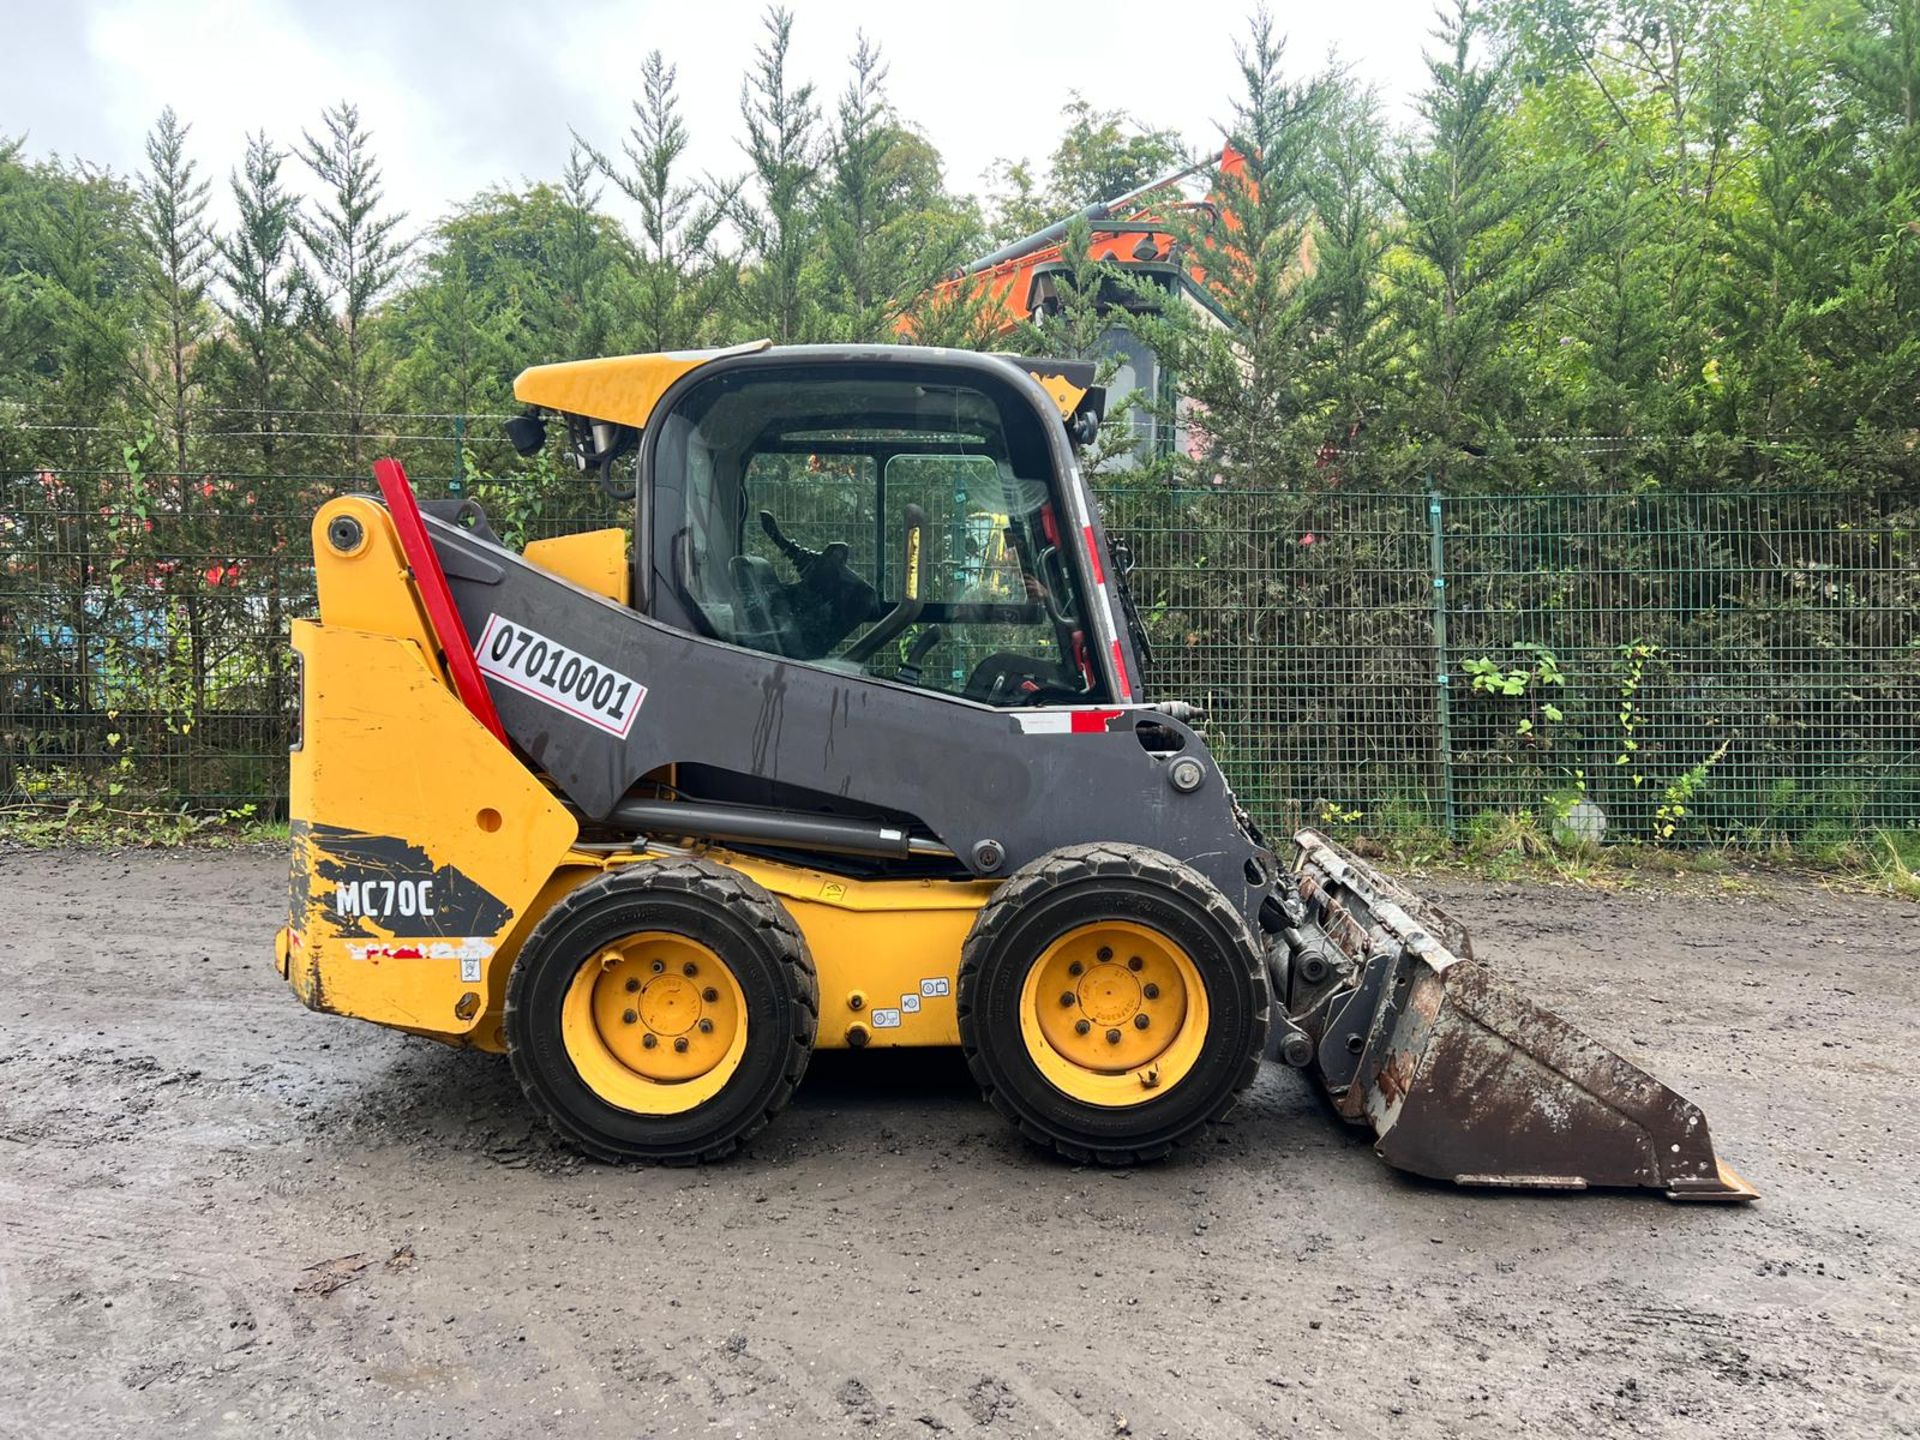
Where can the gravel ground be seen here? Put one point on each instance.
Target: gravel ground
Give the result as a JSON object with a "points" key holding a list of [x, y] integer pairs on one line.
{"points": [[220, 1214]]}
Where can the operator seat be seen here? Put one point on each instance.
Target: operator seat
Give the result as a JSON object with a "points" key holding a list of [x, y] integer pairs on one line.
{"points": [[765, 617]]}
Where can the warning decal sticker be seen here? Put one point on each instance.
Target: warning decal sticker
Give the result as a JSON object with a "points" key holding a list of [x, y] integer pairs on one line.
{"points": [[527, 661]]}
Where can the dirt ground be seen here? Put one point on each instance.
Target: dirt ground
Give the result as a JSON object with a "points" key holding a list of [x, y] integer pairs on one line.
{"points": [[221, 1214]]}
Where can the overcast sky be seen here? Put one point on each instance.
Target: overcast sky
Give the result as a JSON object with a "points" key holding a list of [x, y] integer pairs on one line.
{"points": [[462, 96]]}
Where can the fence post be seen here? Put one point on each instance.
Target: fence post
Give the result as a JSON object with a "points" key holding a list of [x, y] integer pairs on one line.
{"points": [[1442, 680], [458, 486]]}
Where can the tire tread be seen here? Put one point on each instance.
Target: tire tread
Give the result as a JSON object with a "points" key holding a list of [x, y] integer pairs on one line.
{"points": [[1105, 859], [710, 881]]}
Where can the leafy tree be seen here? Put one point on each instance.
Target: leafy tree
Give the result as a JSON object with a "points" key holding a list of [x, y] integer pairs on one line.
{"points": [[1102, 155], [458, 341], [71, 260], [78, 267], [511, 279]]}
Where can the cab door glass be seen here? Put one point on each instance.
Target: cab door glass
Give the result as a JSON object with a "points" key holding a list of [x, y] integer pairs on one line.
{"points": [[974, 573]]}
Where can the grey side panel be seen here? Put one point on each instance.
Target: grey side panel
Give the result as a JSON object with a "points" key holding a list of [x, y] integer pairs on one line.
{"points": [[968, 771]]}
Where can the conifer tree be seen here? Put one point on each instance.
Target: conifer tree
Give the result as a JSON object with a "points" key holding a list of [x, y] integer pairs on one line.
{"points": [[888, 229], [777, 213], [262, 285], [587, 274], [1485, 239], [354, 257], [178, 256], [179, 260], [1244, 380], [1869, 343], [674, 289], [1352, 351]]}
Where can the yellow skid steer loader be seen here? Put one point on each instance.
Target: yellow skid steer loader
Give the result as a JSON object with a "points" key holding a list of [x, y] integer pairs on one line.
{"points": [[849, 743]]}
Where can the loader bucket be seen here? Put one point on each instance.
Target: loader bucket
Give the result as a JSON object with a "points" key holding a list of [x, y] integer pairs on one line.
{"points": [[1461, 1077]]}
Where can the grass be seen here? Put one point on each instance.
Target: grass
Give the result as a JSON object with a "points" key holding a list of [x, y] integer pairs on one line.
{"points": [[1499, 845], [95, 823], [1892, 870], [1516, 845]]}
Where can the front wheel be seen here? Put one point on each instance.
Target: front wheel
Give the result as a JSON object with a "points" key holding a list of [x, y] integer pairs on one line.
{"points": [[664, 1012], [1111, 1002]]}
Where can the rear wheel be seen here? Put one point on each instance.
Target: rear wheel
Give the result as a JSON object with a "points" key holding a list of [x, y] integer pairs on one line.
{"points": [[664, 1012], [1111, 1002]]}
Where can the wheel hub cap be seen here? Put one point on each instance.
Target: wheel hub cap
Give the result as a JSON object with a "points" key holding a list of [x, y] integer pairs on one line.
{"points": [[662, 1007], [1110, 997]]}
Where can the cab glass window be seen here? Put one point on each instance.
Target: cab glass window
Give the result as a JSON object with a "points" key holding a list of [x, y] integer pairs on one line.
{"points": [[885, 522]]}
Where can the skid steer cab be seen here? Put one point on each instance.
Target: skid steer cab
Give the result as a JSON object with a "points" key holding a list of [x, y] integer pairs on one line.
{"points": [[846, 742]]}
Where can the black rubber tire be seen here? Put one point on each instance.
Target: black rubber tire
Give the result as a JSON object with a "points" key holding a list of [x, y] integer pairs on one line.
{"points": [[721, 909], [1073, 886]]}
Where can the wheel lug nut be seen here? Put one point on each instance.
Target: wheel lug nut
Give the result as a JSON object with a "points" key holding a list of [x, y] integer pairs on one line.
{"points": [[1075, 968], [1081, 1027], [1140, 1021], [709, 994], [1151, 991], [649, 1040], [706, 1027], [679, 1044], [1113, 1037], [630, 1016], [658, 966], [1104, 953], [1066, 997], [689, 968], [632, 986], [1135, 963]]}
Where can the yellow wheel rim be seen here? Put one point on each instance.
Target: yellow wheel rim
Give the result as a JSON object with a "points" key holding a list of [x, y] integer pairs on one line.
{"points": [[1113, 1013], [654, 1023]]}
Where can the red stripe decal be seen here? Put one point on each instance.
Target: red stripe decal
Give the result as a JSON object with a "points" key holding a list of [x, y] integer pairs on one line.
{"points": [[1093, 722], [1093, 554], [431, 581], [1120, 669]]}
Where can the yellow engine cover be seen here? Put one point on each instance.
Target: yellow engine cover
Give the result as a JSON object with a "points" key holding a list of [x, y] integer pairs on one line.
{"points": [[419, 842]]}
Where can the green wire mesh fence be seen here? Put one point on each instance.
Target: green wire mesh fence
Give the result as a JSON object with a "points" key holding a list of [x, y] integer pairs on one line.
{"points": [[1679, 666]]}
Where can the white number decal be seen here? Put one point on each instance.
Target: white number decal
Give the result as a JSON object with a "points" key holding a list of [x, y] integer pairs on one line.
{"points": [[529, 662]]}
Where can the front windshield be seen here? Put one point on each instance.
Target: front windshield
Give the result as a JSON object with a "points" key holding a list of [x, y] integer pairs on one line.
{"points": [[897, 527]]}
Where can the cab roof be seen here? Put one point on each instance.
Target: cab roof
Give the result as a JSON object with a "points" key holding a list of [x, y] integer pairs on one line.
{"points": [[624, 389]]}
